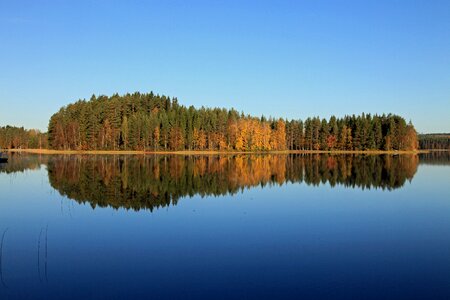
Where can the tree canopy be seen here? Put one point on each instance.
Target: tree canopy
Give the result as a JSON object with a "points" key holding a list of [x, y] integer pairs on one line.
{"points": [[153, 122], [434, 141], [18, 137]]}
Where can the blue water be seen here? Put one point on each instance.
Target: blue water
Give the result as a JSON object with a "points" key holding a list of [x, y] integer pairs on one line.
{"points": [[288, 241]]}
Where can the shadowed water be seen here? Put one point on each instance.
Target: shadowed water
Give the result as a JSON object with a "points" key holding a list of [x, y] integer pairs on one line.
{"points": [[230, 226]]}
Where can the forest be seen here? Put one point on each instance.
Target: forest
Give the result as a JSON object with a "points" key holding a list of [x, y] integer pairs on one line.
{"points": [[19, 138], [435, 141], [150, 122]]}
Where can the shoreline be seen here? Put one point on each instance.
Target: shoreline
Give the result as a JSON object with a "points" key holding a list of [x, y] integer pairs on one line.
{"points": [[215, 152]]}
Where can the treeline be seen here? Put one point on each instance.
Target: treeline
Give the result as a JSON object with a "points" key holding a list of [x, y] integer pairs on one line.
{"points": [[434, 141], [149, 182], [151, 122], [18, 137]]}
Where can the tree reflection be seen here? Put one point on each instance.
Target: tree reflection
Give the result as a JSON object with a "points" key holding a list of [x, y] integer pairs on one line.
{"points": [[441, 158], [149, 182], [18, 162]]}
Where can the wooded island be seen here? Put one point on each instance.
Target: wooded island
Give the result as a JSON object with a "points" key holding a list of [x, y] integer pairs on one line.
{"points": [[150, 122]]}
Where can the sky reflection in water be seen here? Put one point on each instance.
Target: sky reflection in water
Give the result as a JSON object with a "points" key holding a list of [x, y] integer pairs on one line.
{"points": [[281, 227]]}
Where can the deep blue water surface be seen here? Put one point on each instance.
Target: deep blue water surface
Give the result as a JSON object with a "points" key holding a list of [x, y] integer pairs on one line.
{"points": [[66, 234]]}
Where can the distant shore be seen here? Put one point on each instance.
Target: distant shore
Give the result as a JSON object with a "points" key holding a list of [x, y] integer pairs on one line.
{"points": [[207, 152]]}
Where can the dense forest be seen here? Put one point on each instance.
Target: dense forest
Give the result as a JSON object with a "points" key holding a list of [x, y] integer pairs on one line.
{"points": [[434, 141], [151, 122], [17, 137], [149, 182]]}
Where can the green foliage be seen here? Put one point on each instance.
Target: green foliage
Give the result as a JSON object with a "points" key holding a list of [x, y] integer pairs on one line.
{"points": [[365, 132], [20, 138], [153, 122], [434, 141]]}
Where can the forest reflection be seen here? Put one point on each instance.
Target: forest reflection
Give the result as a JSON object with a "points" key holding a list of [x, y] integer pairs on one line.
{"points": [[441, 158], [18, 162], [149, 182]]}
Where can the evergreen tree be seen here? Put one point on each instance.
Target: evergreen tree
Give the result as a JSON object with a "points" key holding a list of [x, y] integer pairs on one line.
{"points": [[150, 121]]}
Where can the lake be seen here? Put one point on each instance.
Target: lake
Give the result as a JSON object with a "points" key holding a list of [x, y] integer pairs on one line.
{"points": [[225, 227]]}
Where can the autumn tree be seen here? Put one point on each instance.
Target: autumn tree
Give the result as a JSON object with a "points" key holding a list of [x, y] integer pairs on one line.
{"points": [[156, 122]]}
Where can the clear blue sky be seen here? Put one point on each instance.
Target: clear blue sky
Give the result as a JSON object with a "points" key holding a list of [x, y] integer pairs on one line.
{"points": [[289, 59]]}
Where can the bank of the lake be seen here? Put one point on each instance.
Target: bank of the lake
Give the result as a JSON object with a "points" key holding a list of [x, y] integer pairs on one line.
{"points": [[207, 152]]}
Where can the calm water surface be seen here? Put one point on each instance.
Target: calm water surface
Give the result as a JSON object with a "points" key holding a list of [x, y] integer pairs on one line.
{"points": [[222, 227]]}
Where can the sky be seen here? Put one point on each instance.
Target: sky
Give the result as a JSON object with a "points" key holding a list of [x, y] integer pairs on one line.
{"points": [[289, 59]]}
